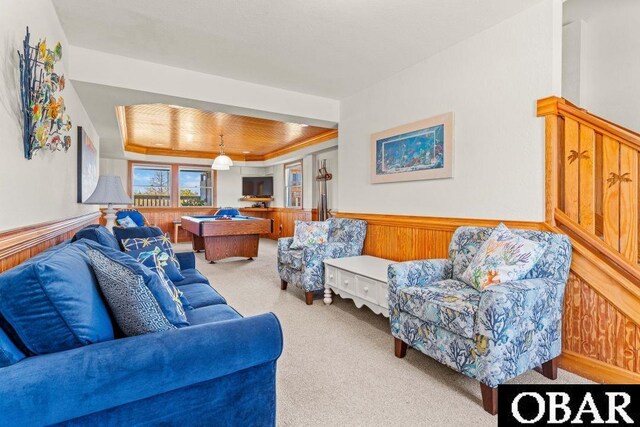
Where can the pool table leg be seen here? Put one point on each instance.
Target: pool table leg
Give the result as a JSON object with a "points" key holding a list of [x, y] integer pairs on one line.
{"points": [[250, 258]]}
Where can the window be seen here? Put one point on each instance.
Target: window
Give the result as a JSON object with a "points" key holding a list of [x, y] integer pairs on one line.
{"points": [[293, 185], [196, 187], [171, 185], [151, 185]]}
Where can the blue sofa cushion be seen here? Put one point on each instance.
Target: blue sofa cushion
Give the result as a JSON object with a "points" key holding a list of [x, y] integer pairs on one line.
{"points": [[201, 294], [449, 304], [191, 276], [140, 248], [52, 301], [212, 314], [122, 233], [9, 353], [98, 234], [132, 303], [151, 280]]}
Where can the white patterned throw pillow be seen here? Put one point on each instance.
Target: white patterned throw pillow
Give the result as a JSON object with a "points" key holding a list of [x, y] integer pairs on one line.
{"points": [[310, 233], [502, 258]]}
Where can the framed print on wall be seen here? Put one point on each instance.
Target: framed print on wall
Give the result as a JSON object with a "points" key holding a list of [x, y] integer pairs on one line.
{"points": [[87, 166], [415, 151]]}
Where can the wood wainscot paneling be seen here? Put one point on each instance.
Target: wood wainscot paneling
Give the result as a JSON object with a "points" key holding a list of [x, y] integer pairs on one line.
{"points": [[283, 219], [18, 245], [164, 218], [403, 238]]}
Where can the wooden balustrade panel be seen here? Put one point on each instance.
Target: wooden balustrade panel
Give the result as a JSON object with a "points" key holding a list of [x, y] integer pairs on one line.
{"points": [[611, 192], [587, 183], [571, 169], [592, 195], [628, 182]]}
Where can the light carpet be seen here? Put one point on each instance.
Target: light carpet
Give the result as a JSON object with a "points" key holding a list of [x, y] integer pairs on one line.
{"points": [[338, 367]]}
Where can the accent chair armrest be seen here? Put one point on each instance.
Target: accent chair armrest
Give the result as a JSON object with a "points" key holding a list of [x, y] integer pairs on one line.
{"points": [[418, 273], [518, 326], [187, 260], [51, 388], [284, 243]]}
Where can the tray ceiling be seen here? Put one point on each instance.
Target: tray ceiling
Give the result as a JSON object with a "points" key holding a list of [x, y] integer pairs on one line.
{"points": [[171, 130]]}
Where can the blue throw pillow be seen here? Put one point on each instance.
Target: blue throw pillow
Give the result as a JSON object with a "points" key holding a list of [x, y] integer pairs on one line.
{"points": [[140, 248], [99, 234], [132, 303], [150, 279], [156, 261], [122, 233], [52, 301], [127, 222]]}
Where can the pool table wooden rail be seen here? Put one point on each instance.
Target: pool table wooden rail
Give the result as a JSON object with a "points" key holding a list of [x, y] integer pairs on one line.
{"points": [[227, 238]]}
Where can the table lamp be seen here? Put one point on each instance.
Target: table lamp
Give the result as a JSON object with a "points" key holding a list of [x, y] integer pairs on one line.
{"points": [[109, 191]]}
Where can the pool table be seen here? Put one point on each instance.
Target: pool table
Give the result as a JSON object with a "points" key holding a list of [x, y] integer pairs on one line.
{"points": [[226, 236]]}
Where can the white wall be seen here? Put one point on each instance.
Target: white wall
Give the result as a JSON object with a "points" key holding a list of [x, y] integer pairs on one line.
{"points": [[491, 82], [572, 60], [610, 69], [44, 188]]}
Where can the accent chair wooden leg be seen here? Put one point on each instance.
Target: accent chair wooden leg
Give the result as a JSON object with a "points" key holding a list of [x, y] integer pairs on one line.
{"points": [[309, 297], [283, 285], [400, 348], [550, 369], [489, 398]]}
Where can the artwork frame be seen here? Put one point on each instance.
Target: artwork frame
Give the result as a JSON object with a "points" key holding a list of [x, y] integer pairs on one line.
{"points": [[87, 166], [432, 137]]}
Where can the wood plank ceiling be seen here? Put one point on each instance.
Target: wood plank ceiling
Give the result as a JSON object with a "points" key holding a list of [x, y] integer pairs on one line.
{"points": [[170, 130]]}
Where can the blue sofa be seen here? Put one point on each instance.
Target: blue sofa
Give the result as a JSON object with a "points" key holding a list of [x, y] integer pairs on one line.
{"points": [[220, 370]]}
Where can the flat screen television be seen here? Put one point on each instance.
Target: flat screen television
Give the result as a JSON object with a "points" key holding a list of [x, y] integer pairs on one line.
{"points": [[257, 186]]}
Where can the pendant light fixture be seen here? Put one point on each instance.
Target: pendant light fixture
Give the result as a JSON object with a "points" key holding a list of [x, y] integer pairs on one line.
{"points": [[222, 162]]}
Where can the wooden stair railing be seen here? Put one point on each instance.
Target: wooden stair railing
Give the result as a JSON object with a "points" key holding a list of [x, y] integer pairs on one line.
{"points": [[592, 187], [592, 174]]}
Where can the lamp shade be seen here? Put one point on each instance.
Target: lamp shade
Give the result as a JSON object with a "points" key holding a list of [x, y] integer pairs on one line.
{"points": [[222, 162], [109, 191]]}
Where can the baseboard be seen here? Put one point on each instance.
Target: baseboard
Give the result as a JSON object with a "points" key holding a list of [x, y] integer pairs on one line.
{"points": [[596, 370]]}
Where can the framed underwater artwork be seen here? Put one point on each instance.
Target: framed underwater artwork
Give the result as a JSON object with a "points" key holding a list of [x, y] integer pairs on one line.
{"points": [[415, 151], [87, 166]]}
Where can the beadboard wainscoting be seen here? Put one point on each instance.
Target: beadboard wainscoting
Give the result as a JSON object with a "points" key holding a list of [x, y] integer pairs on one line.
{"points": [[22, 243], [283, 219], [601, 319]]}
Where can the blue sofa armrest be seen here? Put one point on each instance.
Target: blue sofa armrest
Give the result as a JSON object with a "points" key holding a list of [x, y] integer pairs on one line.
{"points": [[52, 388], [518, 327], [187, 260]]}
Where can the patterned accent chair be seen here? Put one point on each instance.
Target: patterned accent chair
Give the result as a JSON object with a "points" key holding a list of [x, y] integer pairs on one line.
{"points": [[491, 335], [304, 268], [134, 214]]}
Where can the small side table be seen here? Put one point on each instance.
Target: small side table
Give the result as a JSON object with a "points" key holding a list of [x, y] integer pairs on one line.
{"points": [[360, 278], [177, 223]]}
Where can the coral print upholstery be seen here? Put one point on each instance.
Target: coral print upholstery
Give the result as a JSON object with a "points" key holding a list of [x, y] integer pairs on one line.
{"points": [[491, 334], [304, 267], [309, 233], [503, 257]]}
